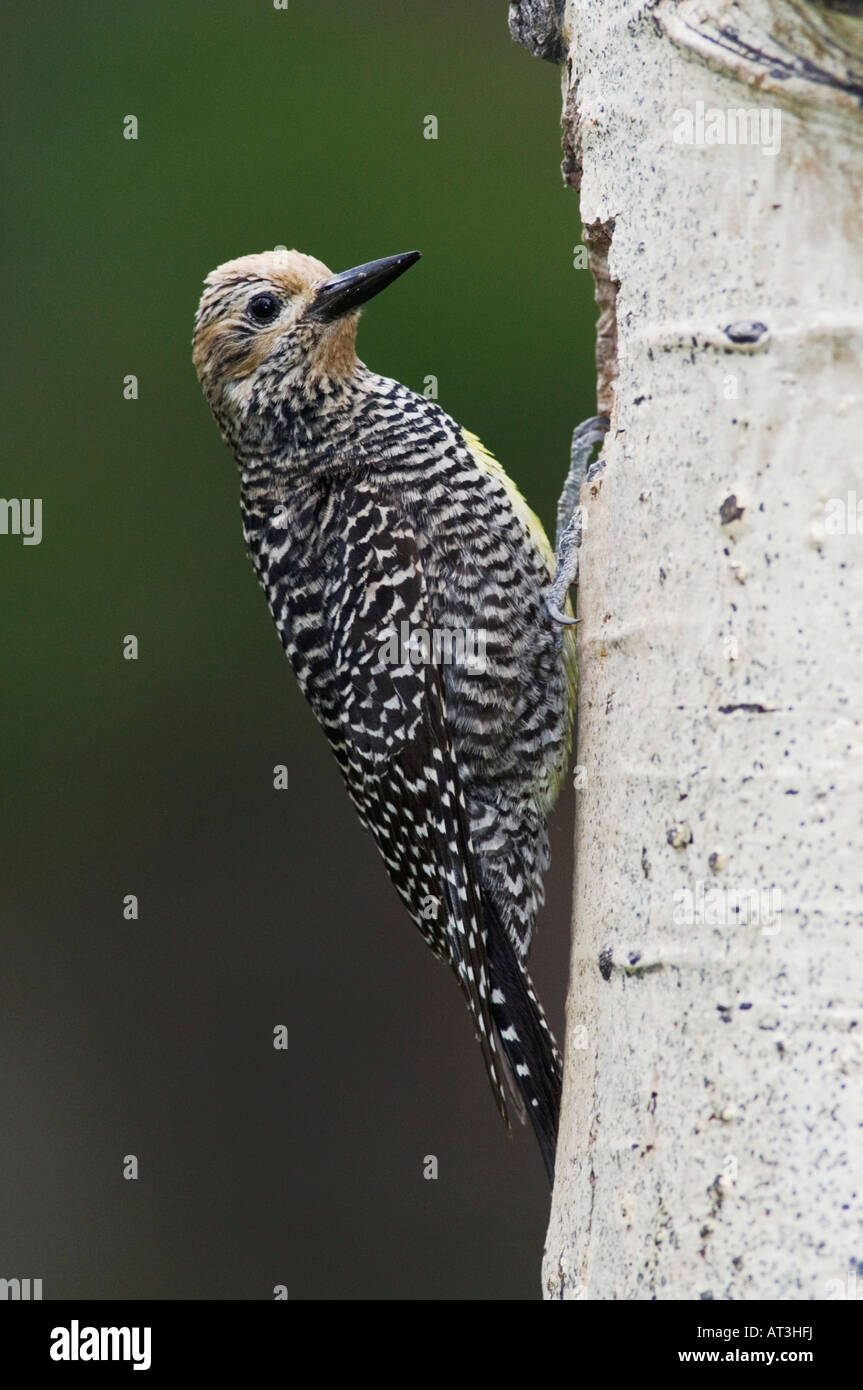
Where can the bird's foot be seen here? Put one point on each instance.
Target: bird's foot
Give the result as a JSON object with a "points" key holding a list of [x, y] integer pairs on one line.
{"points": [[570, 514]]}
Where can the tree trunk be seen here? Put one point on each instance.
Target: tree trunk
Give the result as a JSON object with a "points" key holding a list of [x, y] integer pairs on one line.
{"points": [[711, 1138]]}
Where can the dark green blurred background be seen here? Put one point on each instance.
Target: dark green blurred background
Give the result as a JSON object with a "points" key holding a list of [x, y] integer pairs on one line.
{"points": [[154, 777]]}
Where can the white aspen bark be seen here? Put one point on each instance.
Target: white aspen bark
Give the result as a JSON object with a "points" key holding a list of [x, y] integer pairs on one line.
{"points": [[711, 1141]]}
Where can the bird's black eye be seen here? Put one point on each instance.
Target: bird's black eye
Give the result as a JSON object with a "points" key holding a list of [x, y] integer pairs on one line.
{"points": [[263, 308]]}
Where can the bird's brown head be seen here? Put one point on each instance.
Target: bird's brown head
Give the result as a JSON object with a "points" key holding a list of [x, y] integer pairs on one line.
{"points": [[280, 325]]}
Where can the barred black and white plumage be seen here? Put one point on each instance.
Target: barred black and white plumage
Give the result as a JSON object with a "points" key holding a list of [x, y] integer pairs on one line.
{"points": [[370, 518]]}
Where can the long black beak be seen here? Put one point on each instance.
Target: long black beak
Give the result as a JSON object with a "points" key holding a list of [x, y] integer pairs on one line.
{"points": [[342, 293]]}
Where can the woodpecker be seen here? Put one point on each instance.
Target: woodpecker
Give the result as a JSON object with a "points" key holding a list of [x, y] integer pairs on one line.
{"points": [[412, 589]]}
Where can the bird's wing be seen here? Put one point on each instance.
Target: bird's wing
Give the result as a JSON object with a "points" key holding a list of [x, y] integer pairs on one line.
{"points": [[394, 745]]}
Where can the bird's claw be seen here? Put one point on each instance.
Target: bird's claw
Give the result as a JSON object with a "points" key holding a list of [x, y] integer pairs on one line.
{"points": [[570, 516], [557, 615]]}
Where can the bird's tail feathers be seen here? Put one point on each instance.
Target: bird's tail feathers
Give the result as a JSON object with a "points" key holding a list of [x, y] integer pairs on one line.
{"points": [[531, 1061]]}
